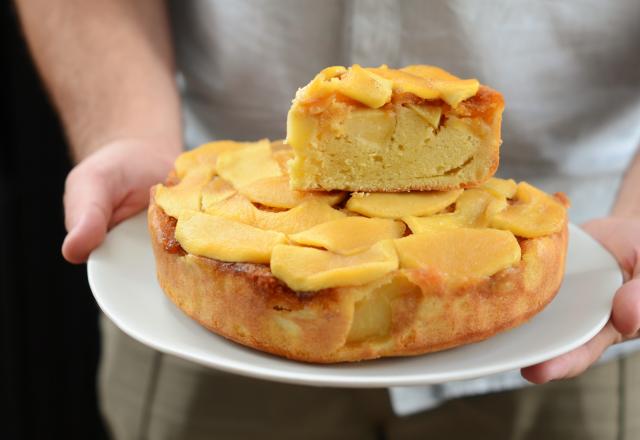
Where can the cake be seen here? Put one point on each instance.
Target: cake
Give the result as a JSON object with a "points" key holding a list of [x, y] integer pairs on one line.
{"points": [[340, 277], [387, 130]]}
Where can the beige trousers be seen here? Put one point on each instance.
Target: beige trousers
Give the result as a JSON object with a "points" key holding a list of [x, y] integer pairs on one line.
{"points": [[145, 394]]}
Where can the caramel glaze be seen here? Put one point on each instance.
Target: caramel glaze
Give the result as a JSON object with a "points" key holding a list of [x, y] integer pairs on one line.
{"points": [[481, 105]]}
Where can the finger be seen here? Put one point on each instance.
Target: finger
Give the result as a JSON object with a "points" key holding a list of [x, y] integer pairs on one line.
{"points": [[574, 362], [88, 207], [131, 205], [626, 308], [608, 232]]}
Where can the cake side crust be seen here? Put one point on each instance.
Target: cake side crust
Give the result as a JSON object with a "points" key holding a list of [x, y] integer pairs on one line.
{"points": [[247, 304]]}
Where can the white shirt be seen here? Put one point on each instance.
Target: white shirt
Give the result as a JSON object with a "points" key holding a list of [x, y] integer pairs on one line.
{"points": [[569, 72]]}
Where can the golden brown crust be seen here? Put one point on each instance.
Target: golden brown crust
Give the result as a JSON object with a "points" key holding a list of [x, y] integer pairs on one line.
{"points": [[247, 304]]}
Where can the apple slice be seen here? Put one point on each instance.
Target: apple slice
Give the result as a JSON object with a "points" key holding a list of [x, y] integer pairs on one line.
{"points": [[397, 205], [224, 239], [534, 214], [309, 269], [350, 235], [459, 254]]}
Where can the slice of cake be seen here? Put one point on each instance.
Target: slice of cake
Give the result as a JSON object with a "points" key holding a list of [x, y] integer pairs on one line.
{"points": [[388, 130]]}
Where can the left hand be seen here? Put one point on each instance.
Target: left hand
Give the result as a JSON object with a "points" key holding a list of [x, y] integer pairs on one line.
{"points": [[109, 186], [621, 236]]}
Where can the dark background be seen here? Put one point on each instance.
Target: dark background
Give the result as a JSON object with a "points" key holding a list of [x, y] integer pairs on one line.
{"points": [[48, 318]]}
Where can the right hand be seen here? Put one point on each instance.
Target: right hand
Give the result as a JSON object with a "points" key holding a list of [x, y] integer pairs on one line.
{"points": [[109, 186]]}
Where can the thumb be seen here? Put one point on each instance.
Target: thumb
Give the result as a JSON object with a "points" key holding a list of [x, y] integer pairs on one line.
{"points": [[621, 237], [626, 308], [625, 314], [88, 208]]}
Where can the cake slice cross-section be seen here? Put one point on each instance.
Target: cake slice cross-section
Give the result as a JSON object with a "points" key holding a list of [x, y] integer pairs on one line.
{"points": [[417, 128]]}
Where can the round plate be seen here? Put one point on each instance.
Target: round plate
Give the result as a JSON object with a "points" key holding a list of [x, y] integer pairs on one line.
{"points": [[122, 277]]}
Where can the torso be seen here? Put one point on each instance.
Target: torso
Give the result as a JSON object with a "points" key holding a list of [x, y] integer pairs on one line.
{"points": [[569, 73]]}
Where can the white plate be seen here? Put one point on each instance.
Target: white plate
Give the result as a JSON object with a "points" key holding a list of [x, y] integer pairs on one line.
{"points": [[122, 278]]}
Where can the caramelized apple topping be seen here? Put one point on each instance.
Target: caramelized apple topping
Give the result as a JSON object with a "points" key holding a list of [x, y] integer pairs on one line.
{"points": [[470, 211], [204, 156], [534, 213], [225, 240], [308, 269], [350, 235], [186, 194], [275, 192], [248, 213], [397, 205], [245, 165], [375, 86], [459, 254]]}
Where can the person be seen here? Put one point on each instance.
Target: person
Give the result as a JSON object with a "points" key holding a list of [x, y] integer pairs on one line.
{"points": [[125, 75]]}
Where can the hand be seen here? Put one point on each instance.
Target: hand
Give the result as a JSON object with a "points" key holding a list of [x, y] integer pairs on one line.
{"points": [[621, 236], [107, 187]]}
